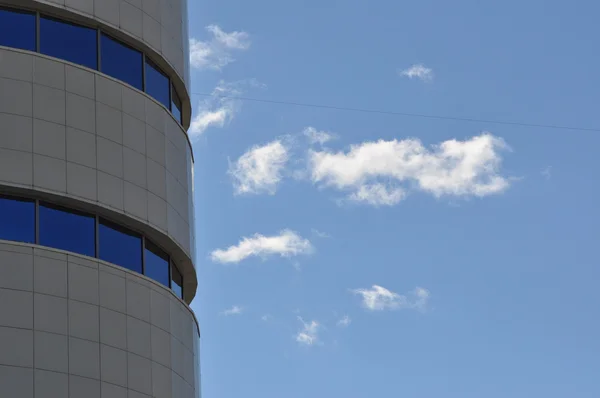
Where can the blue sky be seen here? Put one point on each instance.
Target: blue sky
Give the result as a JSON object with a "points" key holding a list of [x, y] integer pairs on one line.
{"points": [[352, 254]]}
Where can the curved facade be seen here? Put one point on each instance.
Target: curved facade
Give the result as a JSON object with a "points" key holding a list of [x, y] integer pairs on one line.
{"points": [[97, 261]]}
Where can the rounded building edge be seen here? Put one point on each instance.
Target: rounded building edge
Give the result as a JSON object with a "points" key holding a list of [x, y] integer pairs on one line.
{"points": [[83, 314]]}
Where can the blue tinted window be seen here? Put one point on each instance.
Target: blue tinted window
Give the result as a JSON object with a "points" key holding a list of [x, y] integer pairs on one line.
{"points": [[177, 282], [121, 62], [67, 230], [157, 264], [176, 105], [120, 246], [70, 42], [17, 220], [17, 30], [176, 113], [157, 84]]}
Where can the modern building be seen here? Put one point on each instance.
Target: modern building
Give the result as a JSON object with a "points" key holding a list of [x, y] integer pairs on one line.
{"points": [[97, 262]]}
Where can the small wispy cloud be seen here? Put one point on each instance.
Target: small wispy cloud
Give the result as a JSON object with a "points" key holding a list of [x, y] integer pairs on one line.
{"points": [[344, 321], [216, 110], [418, 71], [287, 244], [259, 170], [383, 172], [216, 52], [320, 234], [266, 317], [378, 298], [235, 310], [220, 108], [547, 172], [308, 333], [315, 136]]}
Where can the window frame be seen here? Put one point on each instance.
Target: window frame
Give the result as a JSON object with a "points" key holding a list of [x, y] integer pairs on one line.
{"points": [[41, 16], [126, 231], [17, 9], [176, 100], [53, 206], [174, 268], [149, 245], [103, 33], [35, 215], [146, 243], [34, 13], [153, 65]]}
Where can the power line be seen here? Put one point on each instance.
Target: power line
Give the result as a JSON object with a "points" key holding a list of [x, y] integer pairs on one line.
{"points": [[407, 114]]}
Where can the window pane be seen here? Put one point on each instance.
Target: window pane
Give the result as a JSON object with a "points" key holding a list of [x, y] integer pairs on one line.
{"points": [[66, 230], [177, 114], [17, 29], [17, 220], [120, 246], [157, 264], [70, 42], [176, 105], [177, 282], [157, 84], [121, 62]]}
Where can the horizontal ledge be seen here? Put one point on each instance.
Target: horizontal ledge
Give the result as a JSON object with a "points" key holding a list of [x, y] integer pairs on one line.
{"points": [[103, 75], [176, 252], [68, 254]]}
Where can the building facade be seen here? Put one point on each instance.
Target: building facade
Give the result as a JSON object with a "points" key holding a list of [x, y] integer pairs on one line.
{"points": [[97, 261]]}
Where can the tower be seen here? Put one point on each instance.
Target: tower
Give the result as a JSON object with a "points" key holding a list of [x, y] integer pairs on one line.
{"points": [[97, 261]]}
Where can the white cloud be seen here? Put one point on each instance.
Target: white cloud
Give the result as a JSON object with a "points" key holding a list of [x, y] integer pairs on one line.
{"points": [[259, 169], [452, 168], [235, 310], [421, 298], [379, 298], [547, 172], [266, 317], [216, 52], [378, 195], [315, 136], [344, 321], [216, 110], [287, 244], [308, 334], [418, 71], [222, 106]]}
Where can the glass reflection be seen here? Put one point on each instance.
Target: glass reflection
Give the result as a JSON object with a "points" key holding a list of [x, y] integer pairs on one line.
{"points": [[120, 246], [157, 264], [121, 61], [176, 282], [176, 105], [79, 44], [157, 84], [17, 29], [74, 231], [67, 230], [17, 220], [70, 42]]}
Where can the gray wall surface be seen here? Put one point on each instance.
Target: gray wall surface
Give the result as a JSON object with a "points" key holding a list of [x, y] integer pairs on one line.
{"points": [[74, 132], [77, 328]]}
